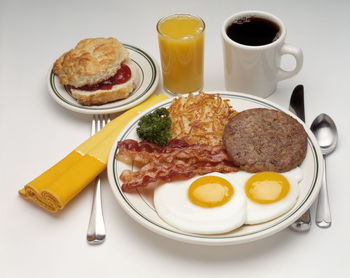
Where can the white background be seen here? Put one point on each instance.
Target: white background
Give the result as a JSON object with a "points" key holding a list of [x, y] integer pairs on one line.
{"points": [[36, 132]]}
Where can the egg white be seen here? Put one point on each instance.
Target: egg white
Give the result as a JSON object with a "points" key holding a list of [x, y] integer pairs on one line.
{"points": [[174, 207]]}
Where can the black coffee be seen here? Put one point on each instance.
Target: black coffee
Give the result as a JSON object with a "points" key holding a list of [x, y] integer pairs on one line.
{"points": [[253, 31]]}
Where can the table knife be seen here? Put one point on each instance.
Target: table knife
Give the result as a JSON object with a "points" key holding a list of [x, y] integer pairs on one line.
{"points": [[296, 105]]}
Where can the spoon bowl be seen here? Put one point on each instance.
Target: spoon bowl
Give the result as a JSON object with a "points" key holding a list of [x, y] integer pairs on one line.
{"points": [[326, 134]]}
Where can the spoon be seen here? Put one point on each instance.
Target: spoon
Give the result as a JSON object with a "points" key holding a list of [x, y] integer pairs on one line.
{"points": [[326, 134]]}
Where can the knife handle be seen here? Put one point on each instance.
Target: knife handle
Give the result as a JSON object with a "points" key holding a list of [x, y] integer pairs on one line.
{"points": [[303, 224], [323, 213]]}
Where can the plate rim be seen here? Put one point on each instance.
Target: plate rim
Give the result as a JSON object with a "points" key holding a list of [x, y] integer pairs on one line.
{"points": [[210, 239], [101, 109]]}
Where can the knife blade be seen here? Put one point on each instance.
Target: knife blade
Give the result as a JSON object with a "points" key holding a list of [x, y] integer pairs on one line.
{"points": [[296, 106]]}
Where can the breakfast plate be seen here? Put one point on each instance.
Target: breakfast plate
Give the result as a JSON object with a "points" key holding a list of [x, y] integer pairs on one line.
{"points": [[146, 82], [141, 208]]}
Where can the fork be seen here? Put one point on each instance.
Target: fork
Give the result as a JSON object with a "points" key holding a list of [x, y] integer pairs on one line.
{"points": [[96, 230]]}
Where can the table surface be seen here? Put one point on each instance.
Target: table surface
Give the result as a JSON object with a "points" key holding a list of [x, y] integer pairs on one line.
{"points": [[37, 132]]}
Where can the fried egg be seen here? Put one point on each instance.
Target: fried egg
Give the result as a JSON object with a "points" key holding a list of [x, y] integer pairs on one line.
{"points": [[219, 203], [271, 194], [209, 204]]}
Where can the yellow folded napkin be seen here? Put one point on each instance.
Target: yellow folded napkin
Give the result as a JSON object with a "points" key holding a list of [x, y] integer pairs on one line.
{"points": [[54, 188]]}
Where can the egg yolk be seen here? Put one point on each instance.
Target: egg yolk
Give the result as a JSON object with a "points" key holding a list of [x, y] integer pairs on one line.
{"points": [[267, 187], [210, 191]]}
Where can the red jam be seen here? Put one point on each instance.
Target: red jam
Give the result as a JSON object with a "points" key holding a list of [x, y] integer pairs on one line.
{"points": [[122, 75]]}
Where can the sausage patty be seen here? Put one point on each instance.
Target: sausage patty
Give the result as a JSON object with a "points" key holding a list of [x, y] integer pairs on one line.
{"points": [[262, 139]]}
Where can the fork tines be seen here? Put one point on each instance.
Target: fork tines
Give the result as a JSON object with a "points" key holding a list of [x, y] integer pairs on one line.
{"points": [[98, 122]]}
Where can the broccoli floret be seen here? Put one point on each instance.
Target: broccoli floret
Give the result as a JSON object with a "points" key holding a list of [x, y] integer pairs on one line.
{"points": [[155, 127]]}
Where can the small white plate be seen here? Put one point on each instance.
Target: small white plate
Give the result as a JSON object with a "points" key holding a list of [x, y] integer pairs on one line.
{"points": [[140, 205], [146, 82]]}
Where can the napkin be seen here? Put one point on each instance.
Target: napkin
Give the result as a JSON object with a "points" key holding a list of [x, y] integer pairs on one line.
{"points": [[54, 188]]}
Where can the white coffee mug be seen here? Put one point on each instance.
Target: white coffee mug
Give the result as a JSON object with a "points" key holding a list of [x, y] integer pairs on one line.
{"points": [[256, 69]]}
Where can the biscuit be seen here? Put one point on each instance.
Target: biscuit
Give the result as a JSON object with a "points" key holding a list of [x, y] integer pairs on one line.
{"points": [[90, 62], [118, 91]]}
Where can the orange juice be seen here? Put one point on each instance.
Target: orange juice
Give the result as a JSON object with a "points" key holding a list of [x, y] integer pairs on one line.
{"points": [[181, 43]]}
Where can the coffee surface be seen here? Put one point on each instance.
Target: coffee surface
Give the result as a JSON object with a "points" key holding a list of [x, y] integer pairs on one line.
{"points": [[253, 31]]}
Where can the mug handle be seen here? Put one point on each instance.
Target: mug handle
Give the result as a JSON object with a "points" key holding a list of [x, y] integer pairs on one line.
{"points": [[298, 56]]}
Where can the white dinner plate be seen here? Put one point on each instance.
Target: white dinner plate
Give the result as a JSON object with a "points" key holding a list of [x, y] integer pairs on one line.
{"points": [[140, 205], [147, 80]]}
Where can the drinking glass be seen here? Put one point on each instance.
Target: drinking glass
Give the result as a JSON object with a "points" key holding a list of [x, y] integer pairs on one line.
{"points": [[181, 45]]}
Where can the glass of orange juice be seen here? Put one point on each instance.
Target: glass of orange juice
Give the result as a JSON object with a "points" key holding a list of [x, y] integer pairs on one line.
{"points": [[181, 45]]}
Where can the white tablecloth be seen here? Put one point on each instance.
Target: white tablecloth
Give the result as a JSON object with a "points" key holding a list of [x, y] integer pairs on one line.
{"points": [[36, 132]]}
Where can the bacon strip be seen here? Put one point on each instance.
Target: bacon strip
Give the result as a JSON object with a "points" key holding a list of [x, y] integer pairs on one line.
{"points": [[177, 160], [144, 152]]}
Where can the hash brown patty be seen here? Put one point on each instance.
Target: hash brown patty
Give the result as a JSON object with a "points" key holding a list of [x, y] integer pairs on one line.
{"points": [[262, 139], [201, 118]]}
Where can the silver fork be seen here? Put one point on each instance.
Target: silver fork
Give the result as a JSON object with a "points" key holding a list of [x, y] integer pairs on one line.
{"points": [[96, 230]]}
